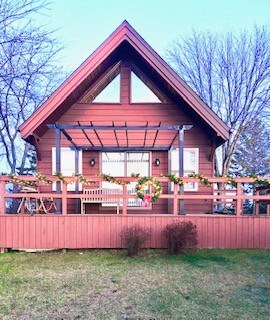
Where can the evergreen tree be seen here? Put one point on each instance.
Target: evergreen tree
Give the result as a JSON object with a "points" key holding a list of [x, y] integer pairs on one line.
{"points": [[252, 156]]}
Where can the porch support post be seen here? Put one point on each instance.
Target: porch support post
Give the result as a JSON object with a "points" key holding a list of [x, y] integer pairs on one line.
{"points": [[124, 210], [239, 201], [77, 183], [58, 164], [181, 167]]}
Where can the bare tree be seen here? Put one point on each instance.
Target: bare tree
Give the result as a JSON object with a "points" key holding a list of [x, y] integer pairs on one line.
{"points": [[231, 73], [28, 73]]}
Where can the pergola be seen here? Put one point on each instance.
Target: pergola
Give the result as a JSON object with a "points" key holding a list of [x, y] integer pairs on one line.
{"points": [[117, 146]]}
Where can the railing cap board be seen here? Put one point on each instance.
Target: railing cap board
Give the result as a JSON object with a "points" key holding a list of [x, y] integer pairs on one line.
{"points": [[131, 179]]}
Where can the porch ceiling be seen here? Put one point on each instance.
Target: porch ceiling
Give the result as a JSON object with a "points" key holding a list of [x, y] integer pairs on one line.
{"points": [[120, 137]]}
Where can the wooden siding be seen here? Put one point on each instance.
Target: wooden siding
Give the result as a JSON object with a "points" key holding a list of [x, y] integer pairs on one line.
{"points": [[138, 114], [96, 231], [78, 80]]}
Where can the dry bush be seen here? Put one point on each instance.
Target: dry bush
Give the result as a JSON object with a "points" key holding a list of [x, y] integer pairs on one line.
{"points": [[181, 237], [134, 238]]}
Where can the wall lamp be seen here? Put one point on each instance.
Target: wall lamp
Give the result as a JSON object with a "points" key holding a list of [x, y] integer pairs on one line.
{"points": [[92, 162], [157, 162]]}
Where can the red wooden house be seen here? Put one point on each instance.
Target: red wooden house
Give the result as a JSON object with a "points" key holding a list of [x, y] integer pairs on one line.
{"points": [[123, 111]]}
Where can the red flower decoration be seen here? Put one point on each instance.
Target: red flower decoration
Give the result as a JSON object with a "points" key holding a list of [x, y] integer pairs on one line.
{"points": [[147, 200]]}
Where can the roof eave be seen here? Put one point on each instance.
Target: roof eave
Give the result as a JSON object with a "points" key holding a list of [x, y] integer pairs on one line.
{"points": [[122, 33]]}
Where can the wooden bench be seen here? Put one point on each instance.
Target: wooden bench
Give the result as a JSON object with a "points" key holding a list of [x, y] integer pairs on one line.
{"points": [[262, 191], [89, 193]]}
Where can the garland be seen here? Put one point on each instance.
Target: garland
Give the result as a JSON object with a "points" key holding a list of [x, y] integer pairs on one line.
{"points": [[149, 181], [230, 180], [135, 175], [145, 181], [14, 179], [205, 181], [62, 178], [80, 178], [258, 181], [41, 178], [112, 179], [173, 178]]}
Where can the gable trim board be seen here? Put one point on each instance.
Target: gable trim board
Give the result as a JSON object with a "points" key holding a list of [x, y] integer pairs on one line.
{"points": [[125, 33]]}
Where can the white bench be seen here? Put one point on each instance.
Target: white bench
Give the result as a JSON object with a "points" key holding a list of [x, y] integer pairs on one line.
{"points": [[89, 193]]}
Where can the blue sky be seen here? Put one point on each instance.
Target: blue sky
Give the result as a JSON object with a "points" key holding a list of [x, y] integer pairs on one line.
{"points": [[84, 24]]}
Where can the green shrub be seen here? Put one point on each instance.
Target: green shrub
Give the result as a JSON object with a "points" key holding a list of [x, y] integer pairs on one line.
{"points": [[134, 238], [180, 237]]}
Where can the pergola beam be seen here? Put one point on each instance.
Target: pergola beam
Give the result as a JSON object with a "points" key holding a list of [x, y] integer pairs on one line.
{"points": [[156, 135], [95, 130], [68, 137], [120, 149], [86, 136], [133, 128]]}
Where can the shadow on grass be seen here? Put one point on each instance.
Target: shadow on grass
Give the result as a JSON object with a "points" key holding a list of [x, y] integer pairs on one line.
{"points": [[255, 293], [202, 260]]}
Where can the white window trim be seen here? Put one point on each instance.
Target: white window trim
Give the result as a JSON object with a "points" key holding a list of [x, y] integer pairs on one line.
{"points": [[196, 170], [70, 187], [104, 206]]}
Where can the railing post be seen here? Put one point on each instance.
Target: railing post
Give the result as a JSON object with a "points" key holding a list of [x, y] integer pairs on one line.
{"points": [[239, 201], [2, 197], [175, 200], [124, 199], [64, 198]]}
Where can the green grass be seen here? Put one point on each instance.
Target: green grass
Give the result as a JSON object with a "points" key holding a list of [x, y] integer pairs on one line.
{"points": [[208, 284]]}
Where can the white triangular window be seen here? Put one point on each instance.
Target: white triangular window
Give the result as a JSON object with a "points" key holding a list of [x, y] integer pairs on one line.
{"points": [[140, 92], [111, 93]]}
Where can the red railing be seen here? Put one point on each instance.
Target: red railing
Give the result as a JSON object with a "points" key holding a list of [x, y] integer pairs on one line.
{"points": [[234, 196]]}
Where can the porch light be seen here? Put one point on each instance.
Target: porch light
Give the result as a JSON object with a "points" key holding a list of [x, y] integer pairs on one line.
{"points": [[92, 162], [157, 162]]}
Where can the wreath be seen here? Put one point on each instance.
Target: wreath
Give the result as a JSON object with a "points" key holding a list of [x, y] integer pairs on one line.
{"points": [[152, 182]]}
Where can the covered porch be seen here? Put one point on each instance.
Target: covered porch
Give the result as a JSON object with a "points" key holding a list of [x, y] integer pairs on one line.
{"points": [[122, 151]]}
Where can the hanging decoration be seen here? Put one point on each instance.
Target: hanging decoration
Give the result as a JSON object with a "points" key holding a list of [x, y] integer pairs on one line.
{"points": [[149, 182]]}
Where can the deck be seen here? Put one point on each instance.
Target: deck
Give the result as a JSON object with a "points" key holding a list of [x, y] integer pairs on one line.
{"points": [[43, 231]]}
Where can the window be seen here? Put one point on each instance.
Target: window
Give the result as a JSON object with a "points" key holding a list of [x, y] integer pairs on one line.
{"points": [[67, 165], [124, 164], [111, 93], [191, 165], [140, 92]]}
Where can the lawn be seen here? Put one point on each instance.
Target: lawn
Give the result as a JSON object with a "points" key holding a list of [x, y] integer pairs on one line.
{"points": [[208, 284]]}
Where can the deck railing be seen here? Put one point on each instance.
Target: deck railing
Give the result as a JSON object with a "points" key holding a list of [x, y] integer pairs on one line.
{"points": [[224, 195]]}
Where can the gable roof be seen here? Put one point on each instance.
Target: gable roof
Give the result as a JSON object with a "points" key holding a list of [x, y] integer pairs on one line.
{"points": [[105, 54]]}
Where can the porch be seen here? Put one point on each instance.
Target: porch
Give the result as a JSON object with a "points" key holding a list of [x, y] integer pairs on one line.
{"points": [[75, 230]]}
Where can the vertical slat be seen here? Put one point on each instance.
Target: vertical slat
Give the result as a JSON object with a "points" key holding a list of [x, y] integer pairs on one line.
{"points": [[67, 231], [2, 198], [58, 164], [181, 167], [125, 195], [175, 200], [267, 233], [64, 198], [239, 201]]}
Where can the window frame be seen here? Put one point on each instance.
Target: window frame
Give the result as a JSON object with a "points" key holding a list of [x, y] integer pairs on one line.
{"points": [[104, 206], [197, 162], [70, 187]]}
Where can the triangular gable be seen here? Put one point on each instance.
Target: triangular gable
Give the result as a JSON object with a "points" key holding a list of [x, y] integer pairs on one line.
{"points": [[123, 33]]}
